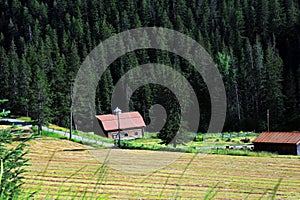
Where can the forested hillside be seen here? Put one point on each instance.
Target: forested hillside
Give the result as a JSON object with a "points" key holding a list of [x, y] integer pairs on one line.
{"points": [[256, 45]]}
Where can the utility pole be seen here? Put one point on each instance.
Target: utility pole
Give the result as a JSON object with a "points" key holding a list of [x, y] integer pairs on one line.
{"points": [[268, 120], [71, 113]]}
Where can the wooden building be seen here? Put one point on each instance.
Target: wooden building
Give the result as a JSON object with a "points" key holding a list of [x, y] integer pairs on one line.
{"points": [[279, 142], [132, 125]]}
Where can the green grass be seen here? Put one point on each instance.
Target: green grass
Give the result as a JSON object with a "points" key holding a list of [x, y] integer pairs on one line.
{"points": [[151, 142], [58, 136], [22, 118], [58, 128], [93, 136], [234, 152], [53, 135], [47, 134], [86, 135], [66, 130], [25, 119]]}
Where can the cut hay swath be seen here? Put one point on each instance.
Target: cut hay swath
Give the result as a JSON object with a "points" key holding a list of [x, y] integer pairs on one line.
{"points": [[62, 169]]}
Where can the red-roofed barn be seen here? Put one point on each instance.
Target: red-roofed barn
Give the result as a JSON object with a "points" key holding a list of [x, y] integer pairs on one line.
{"points": [[131, 125], [279, 142]]}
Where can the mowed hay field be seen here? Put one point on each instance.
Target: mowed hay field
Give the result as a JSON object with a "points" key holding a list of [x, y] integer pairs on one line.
{"points": [[64, 170]]}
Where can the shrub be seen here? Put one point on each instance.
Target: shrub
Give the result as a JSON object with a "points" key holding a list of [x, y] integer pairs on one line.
{"points": [[245, 140], [198, 138]]}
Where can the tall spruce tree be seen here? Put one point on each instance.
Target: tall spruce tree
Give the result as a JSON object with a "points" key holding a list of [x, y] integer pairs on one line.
{"points": [[272, 96], [4, 75], [13, 62]]}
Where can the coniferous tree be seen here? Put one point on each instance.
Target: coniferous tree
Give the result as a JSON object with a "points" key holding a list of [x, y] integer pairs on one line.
{"points": [[4, 75], [257, 75], [249, 14], [262, 18], [13, 62], [292, 13], [290, 101], [24, 79], [73, 61], [145, 13], [105, 88], [272, 96], [298, 86], [59, 90], [39, 93], [277, 18]]}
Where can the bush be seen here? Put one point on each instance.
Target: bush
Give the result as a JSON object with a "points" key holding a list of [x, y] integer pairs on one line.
{"points": [[198, 138], [245, 140]]}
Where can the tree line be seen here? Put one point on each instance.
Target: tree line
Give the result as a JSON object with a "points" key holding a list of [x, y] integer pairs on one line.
{"points": [[255, 44]]}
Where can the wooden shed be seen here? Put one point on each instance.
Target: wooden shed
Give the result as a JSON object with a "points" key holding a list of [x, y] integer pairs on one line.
{"points": [[278, 142], [132, 125]]}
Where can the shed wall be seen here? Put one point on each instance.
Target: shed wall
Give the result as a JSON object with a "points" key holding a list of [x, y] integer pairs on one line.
{"points": [[129, 133], [298, 149], [288, 149]]}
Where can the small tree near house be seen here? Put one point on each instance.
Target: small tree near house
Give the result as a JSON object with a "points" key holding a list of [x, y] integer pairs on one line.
{"points": [[12, 162]]}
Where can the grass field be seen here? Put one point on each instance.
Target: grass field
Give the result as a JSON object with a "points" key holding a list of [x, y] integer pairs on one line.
{"points": [[63, 170], [202, 143]]}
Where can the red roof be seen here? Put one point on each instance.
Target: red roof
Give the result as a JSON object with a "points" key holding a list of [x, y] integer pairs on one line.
{"points": [[278, 137], [127, 120]]}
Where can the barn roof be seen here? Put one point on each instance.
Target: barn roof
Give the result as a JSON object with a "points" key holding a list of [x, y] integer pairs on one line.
{"points": [[278, 137], [128, 120]]}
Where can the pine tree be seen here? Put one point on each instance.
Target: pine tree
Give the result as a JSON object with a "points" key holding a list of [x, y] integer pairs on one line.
{"points": [[277, 17], [13, 61], [59, 91], [272, 96], [298, 88], [39, 93], [292, 13], [250, 18], [104, 93], [4, 75], [112, 11], [24, 90], [262, 18], [290, 102], [77, 29], [106, 29], [73, 61], [257, 76], [227, 68], [41, 110], [145, 13], [238, 29]]}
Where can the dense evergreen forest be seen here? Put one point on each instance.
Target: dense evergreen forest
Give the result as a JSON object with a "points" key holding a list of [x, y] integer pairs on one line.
{"points": [[256, 45]]}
